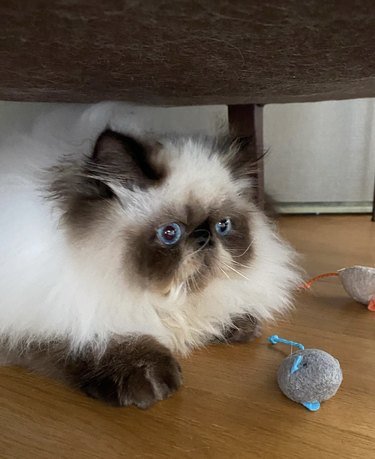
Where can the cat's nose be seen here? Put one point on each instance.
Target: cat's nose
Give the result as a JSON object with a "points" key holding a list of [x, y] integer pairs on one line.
{"points": [[201, 237]]}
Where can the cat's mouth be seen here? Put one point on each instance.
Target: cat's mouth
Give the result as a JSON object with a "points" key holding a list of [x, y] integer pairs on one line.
{"points": [[194, 277], [188, 282], [191, 285]]}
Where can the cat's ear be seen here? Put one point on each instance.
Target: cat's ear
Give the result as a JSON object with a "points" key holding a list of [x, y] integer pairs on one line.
{"points": [[123, 159], [242, 158]]}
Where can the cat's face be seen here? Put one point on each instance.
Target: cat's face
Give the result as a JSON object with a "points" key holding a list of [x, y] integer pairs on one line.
{"points": [[191, 245], [181, 210]]}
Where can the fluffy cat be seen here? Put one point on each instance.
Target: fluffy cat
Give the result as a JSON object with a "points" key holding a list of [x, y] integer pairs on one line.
{"points": [[120, 248]]}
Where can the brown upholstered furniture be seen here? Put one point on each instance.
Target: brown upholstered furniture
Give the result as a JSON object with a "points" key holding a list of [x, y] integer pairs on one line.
{"points": [[178, 52]]}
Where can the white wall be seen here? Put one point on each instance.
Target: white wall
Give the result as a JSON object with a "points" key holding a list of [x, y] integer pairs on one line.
{"points": [[319, 152]]}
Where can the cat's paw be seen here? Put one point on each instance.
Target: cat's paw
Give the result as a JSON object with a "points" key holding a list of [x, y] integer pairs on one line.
{"points": [[152, 382], [139, 380], [244, 329]]}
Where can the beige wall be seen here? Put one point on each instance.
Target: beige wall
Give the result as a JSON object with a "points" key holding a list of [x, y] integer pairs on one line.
{"points": [[318, 152], [321, 151]]}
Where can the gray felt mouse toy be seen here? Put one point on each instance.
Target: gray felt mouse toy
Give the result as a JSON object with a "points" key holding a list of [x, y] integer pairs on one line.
{"points": [[308, 376], [358, 282]]}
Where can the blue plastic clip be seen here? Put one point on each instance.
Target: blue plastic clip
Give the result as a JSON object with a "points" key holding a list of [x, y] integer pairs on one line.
{"points": [[312, 406]]}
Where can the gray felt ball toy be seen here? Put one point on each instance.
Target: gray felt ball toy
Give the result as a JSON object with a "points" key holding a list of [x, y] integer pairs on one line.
{"points": [[308, 376]]}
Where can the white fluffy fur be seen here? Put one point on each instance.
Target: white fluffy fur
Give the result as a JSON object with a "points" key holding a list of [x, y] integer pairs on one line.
{"points": [[51, 288]]}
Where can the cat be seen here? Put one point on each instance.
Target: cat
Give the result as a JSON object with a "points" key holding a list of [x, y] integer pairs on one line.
{"points": [[121, 248]]}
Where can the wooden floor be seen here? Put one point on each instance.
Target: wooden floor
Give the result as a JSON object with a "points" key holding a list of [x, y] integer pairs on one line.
{"points": [[230, 405]]}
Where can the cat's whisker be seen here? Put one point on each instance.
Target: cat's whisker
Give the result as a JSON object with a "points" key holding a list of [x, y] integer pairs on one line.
{"points": [[232, 261], [200, 248], [235, 270], [187, 284], [193, 283], [241, 264], [225, 274], [243, 253]]}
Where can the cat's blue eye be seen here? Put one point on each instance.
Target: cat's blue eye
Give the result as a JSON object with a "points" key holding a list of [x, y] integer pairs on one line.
{"points": [[223, 227], [169, 234]]}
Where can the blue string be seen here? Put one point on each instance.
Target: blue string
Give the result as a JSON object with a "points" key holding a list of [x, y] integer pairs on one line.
{"points": [[296, 364], [274, 339]]}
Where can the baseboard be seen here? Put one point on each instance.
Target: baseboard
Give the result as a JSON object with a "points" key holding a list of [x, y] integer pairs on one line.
{"points": [[323, 207]]}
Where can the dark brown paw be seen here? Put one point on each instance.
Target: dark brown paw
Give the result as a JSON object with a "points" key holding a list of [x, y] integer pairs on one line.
{"points": [[244, 329], [139, 377]]}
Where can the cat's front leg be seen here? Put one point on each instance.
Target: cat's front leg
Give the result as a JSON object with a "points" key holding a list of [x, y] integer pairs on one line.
{"points": [[138, 371], [243, 329], [134, 371]]}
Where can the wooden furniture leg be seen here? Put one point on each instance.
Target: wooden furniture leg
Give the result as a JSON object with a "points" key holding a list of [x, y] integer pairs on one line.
{"points": [[247, 121], [373, 206]]}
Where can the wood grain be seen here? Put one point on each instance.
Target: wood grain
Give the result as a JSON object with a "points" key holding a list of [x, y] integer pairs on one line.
{"points": [[230, 405], [187, 52]]}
